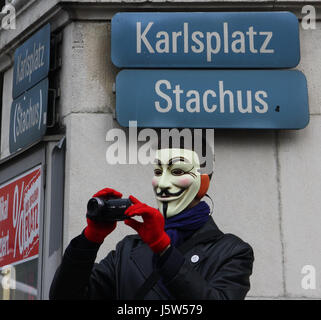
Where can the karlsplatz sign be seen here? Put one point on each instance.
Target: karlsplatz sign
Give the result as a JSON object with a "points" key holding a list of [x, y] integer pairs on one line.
{"points": [[31, 62], [20, 207], [256, 99], [205, 40]]}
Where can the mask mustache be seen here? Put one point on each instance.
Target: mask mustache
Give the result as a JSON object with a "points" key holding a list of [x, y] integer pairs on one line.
{"points": [[166, 193]]}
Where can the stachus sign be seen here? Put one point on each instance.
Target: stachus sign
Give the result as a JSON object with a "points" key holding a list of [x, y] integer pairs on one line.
{"points": [[31, 62], [205, 40], [254, 99], [28, 117]]}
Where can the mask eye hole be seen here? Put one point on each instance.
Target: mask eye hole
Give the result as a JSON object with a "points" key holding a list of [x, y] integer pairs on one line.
{"points": [[177, 172], [158, 172]]}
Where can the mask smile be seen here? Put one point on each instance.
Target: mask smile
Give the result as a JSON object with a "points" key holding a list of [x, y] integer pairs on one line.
{"points": [[165, 195]]}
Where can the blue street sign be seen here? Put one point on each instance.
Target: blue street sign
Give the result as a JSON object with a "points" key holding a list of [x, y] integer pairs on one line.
{"points": [[31, 62], [28, 117], [255, 99], [205, 40]]}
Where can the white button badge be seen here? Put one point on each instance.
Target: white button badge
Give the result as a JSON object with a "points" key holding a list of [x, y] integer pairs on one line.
{"points": [[195, 258]]}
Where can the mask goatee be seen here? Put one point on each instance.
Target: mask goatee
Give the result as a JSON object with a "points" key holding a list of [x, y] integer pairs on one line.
{"points": [[165, 206]]}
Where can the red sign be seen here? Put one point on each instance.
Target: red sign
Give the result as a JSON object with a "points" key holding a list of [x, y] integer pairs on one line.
{"points": [[19, 218]]}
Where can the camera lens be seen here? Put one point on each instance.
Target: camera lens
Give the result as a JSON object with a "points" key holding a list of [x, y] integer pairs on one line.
{"points": [[94, 204]]}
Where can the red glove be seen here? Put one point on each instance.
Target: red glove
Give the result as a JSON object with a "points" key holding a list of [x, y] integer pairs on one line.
{"points": [[152, 229], [97, 232]]}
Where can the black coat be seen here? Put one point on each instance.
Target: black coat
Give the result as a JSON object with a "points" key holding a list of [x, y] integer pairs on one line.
{"points": [[217, 271]]}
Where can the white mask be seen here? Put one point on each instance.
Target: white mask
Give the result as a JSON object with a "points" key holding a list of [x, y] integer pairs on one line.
{"points": [[176, 179]]}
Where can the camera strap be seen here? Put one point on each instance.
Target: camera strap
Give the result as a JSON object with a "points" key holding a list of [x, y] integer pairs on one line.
{"points": [[212, 236]]}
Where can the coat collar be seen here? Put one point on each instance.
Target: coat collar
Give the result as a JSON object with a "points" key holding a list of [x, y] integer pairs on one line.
{"points": [[210, 225], [142, 255]]}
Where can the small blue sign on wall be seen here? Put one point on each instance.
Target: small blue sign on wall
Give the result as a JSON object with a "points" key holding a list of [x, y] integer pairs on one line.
{"points": [[253, 99], [205, 40], [31, 62], [28, 117]]}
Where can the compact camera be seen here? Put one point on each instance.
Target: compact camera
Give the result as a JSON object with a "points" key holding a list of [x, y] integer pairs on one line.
{"points": [[100, 210]]}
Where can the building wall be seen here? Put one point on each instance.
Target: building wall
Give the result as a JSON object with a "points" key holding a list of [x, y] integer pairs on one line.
{"points": [[266, 185], [268, 190]]}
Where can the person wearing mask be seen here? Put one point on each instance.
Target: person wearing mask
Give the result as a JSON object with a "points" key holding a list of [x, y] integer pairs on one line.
{"points": [[177, 251]]}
